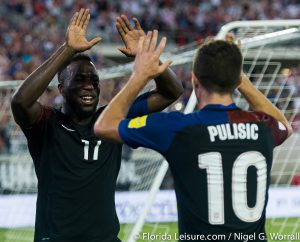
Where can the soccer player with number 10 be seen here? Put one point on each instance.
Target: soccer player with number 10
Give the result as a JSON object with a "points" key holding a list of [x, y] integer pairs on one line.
{"points": [[220, 156]]}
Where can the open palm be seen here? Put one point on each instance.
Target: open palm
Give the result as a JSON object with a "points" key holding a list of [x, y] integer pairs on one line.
{"points": [[76, 34], [129, 35], [146, 63]]}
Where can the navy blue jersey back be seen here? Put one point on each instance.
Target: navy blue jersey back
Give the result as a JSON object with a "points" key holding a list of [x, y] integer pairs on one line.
{"points": [[221, 159]]}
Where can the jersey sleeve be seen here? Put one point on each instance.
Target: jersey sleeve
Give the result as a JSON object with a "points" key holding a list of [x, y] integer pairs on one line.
{"points": [[278, 129], [154, 131], [37, 129], [139, 106], [36, 133]]}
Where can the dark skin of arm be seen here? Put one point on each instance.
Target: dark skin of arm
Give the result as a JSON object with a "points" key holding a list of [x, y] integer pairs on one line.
{"points": [[168, 87], [25, 107]]}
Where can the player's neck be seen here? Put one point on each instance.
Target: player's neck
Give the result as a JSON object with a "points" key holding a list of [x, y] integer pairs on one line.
{"points": [[214, 98], [75, 117]]}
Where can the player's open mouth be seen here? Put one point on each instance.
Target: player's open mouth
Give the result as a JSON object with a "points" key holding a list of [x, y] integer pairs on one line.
{"points": [[87, 99]]}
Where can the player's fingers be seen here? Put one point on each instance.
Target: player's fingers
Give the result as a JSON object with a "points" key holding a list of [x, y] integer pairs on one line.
{"points": [[79, 17], [140, 44], [123, 25], [85, 16], [164, 66], [137, 24], [126, 21], [74, 19], [154, 40], [94, 41], [120, 30], [147, 41], [123, 50], [86, 22], [160, 48]]}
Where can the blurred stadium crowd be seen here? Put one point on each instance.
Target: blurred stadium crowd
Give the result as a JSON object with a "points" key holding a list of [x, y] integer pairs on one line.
{"points": [[32, 29]]}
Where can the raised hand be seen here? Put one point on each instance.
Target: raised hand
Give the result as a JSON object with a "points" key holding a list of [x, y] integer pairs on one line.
{"points": [[146, 63], [76, 33], [129, 35]]}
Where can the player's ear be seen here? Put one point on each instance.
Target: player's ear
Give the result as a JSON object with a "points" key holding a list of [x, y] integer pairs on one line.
{"points": [[195, 81], [60, 88]]}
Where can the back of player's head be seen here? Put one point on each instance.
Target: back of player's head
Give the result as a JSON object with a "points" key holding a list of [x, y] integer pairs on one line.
{"points": [[217, 65], [62, 73]]}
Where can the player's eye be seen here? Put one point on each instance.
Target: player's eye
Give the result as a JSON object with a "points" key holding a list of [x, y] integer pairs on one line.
{"points": [[95, 81], [79, 78]]}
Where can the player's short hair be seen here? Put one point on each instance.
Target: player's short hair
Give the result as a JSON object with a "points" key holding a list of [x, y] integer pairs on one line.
{"points": [[218, 64], [61, 75]]}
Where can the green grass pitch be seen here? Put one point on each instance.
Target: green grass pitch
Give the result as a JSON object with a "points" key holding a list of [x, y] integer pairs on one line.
{"points": [[289, 226]]}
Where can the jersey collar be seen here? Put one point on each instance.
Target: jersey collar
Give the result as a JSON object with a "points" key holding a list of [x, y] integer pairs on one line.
{"points": [[220, 107]]}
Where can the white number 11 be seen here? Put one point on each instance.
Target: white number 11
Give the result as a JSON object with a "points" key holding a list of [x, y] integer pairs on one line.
{"points": [[86, 149]]}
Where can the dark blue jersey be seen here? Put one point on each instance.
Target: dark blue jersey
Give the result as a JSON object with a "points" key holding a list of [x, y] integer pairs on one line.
{"points": [[220, 158], [77, 175]]}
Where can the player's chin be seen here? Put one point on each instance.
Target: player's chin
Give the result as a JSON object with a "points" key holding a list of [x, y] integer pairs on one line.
{"points": [[87, 110]]}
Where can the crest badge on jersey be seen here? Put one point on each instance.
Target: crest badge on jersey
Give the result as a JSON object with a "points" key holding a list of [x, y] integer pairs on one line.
{"points": [[138, 122]]}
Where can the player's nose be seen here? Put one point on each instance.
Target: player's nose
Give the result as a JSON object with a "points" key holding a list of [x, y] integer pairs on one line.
{"points": [[88, 84]]}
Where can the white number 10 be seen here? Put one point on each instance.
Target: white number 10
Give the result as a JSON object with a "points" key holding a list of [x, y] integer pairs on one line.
{"points": [[212, 162]]}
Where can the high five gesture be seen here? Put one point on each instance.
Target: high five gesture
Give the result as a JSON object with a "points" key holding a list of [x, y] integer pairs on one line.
{"points": [[146, 66]]}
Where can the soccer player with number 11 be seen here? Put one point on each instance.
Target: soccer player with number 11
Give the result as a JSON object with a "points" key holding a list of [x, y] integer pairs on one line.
{"points": [[76, 170]]}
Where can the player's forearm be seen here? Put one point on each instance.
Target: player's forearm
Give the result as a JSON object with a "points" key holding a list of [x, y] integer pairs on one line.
{"points": [[107, 124], [258, 102], [168, 85], [36, 83]]}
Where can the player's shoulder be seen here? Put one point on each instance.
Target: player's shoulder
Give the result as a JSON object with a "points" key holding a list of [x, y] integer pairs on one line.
{"points": [[171, 120], [174, 117], [258, 117], [270, 121], [170, 115], [46, 113], [261, 116], [278, 129], [46, 119], [240, 116]]}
